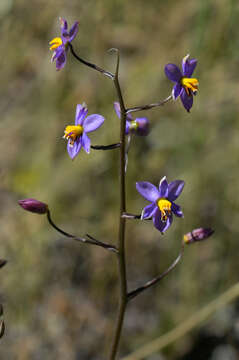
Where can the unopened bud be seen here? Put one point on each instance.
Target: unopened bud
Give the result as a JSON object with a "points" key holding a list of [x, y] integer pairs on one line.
{"points": [[197, 235], [33, 205], [2, 328], [2, 263], [142, 126]]}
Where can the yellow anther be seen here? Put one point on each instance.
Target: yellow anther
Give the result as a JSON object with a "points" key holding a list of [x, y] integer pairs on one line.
{"points": [[72, 132], [55, 43], [164, 206], [190, 85], [133, 125]]}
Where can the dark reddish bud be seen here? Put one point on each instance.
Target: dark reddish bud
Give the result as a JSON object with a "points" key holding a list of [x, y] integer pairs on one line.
{"points": [[2, 328], [34, 206], [197, 235], [2, 263]]}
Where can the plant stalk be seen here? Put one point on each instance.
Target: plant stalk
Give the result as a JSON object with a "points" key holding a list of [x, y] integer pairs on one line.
{"points": [[122, 222]]}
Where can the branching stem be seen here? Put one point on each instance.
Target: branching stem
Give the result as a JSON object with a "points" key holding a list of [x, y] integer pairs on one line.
{"points": [[91, 65], [149, 106], [105, 147], [90, 240], [157, 279]]}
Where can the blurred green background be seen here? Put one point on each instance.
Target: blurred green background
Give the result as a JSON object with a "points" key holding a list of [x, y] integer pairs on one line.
{"points": [[60, 297]]}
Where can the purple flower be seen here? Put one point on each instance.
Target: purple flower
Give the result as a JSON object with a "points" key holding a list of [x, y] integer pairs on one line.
{"points": [[60, 44], [34, 206], [139, 126], [77, 134], [185, 86], [197, 235], [162, 202]]}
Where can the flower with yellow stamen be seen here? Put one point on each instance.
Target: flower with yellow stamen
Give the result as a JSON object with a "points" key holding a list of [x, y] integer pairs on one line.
{"points": [[60, 44], [185, 86], [162, 205], [77, 134]]}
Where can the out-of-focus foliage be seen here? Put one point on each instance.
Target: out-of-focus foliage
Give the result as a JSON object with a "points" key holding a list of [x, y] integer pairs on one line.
{"points": [[60, 297]]}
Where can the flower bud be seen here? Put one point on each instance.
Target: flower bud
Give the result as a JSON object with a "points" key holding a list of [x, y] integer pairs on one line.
{"points": [[197, 235], [2, 328], [34, 206], [142, 126], [2, 263]]}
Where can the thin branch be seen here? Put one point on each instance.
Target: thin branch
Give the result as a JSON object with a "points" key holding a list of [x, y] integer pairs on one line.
{"points": [[90, 240], [91, 65], [149, 106], [105, 147], [157, 279], [131, 216], [127, 215]]}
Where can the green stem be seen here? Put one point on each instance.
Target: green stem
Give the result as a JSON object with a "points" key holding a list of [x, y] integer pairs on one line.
{"points": [[121, 238]]}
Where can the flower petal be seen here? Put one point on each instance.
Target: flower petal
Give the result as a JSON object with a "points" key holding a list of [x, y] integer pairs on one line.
{"points": [[147, 190], [73, 31], [148, 211], [63, 22], [60, 59], [93, 122], [143, 126], [187, 100], [129, 117], [81, 112], [188, 66], [162, 226], [176, 90], [173, 72], [163, 188], [127, 127], [74, 150], [176, 209], [117, 109], [64, 26], [174, 189], [85, 141]]}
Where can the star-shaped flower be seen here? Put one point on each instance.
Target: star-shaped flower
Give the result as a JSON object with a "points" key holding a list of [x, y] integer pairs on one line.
{"points": [[60, 44], [185, 86], [162, 205], [77, 134], [139, 126]]}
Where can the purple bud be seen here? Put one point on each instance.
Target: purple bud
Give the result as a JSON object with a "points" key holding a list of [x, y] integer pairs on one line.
{"points": [[197, 235], [34, 206], [142, 126]]}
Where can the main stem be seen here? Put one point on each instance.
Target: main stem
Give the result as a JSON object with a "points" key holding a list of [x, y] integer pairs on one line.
{"points": [[121, 238]]}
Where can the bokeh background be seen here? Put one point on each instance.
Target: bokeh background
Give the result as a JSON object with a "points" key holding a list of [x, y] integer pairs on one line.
{"points": [[60, 297]]}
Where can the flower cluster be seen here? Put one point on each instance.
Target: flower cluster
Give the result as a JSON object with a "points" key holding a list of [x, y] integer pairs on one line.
{"points": [[162, 199]]}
